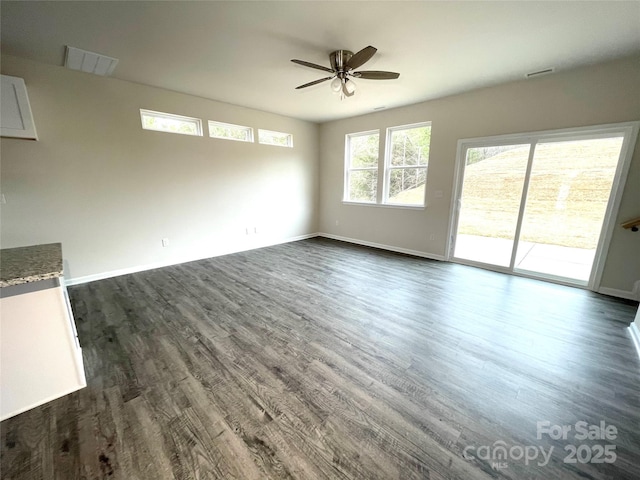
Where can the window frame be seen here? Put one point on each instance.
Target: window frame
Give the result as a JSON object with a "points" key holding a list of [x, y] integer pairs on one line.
{"points": [[288, 135], [215, 123], [347, 167], [171, 116], [388, 167], [630, 130]]}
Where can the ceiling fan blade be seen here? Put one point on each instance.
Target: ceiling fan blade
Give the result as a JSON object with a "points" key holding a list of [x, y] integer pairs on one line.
{"points": [[376, 75], [315, 82], [312, 65], [361, 57]]}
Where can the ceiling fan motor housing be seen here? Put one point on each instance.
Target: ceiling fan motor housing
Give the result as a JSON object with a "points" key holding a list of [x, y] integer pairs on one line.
{"points": [[339, 60]]}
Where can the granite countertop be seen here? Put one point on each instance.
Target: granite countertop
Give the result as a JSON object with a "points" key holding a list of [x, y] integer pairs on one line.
{"points": [[30, 264]]}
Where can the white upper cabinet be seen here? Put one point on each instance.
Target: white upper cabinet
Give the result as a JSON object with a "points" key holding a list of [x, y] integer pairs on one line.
{"points": [[16, 119]]}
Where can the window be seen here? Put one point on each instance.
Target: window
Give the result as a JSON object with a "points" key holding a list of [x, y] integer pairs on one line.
{"points": [[168, 122], [275, 138], [361, 182], [406, 164], [230, 131]]}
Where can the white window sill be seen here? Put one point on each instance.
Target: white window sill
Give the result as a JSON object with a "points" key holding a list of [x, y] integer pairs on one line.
{"points": [[385, 205]]}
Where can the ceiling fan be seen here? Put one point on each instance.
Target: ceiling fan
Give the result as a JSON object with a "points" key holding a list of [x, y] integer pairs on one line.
{"points": [[343, 62]]}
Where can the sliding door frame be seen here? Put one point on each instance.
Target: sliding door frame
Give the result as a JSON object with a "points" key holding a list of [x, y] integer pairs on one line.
{"points": [[629, 131]]}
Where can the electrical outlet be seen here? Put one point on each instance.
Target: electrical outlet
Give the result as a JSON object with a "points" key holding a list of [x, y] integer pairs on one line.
{"points": [[255, 230], [165, 242], [432, 237], [3, 200], [337, 223]]}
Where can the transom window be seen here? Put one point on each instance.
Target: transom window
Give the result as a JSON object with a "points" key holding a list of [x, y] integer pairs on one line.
{"points": [[280, 139], [361, 182], [230, 131], [170, 123]]}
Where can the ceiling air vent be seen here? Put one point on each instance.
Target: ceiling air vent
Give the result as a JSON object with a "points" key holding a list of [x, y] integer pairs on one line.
{"points": [[539, 73], [89, 62]]}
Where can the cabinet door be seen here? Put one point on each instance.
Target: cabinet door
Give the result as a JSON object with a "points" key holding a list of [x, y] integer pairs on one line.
{"points": [[40, 359], [16, 119]]}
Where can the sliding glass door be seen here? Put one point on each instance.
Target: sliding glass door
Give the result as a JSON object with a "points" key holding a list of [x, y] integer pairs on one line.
{"points": [[489, 204], [568, 193], [538, 204]]}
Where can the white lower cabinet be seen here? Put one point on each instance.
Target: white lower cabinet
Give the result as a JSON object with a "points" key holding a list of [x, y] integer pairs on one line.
{"points": [[40, 357]]}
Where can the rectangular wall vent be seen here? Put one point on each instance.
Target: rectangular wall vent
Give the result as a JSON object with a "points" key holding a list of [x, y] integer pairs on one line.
{"points": [[89, 62]]}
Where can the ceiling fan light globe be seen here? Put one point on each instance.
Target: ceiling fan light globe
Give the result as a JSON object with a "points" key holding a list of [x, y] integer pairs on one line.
{"points": [[350, 86], [336, 85]]}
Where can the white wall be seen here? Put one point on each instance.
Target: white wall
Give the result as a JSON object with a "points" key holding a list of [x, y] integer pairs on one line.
{"points": [[607, 93], [110, 191], [635, 330]]}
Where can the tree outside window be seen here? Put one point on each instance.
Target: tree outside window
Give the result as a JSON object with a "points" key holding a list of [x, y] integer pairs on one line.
{"points": [[362, 167], [407, 162]]}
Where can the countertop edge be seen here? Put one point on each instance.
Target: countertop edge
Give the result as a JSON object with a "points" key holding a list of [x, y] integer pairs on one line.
{"points": [[30, 264], [30, 279]]}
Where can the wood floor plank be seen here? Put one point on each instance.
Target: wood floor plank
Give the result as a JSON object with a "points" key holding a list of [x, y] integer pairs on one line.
{"points": [[323, 360]]}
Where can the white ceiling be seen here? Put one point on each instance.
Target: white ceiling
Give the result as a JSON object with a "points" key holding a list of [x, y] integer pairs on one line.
{"points": [[239, 52]]}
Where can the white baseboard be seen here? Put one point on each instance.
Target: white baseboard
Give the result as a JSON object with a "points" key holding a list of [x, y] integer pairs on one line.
{"points": [[614, 292], [142, 268], [391, 248], [635, 334]]}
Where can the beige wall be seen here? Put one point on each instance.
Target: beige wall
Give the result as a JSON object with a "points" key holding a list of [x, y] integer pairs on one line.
{"points": [[607, 93], [110, 191]]}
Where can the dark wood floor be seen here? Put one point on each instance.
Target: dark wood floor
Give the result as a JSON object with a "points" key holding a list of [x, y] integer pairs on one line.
{"points": [[319, 359]]}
